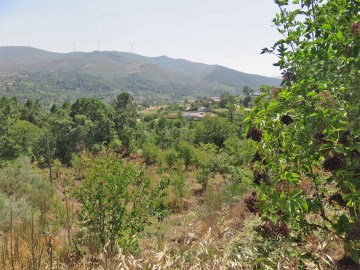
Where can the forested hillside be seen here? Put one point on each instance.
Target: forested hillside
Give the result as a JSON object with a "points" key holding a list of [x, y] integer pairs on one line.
{"points": [[32, 73]]}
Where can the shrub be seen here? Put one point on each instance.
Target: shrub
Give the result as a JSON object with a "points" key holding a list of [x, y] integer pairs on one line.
{"points": [[171, 157], [21, 181], [150, 153], [116, 200]]}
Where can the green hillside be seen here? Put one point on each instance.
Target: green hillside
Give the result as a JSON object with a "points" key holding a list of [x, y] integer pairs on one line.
{"points": [[32, 73]]}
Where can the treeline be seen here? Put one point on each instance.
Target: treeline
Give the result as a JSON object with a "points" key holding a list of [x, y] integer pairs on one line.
{"points": [[88, 123], [48, 86], [28, 129]]}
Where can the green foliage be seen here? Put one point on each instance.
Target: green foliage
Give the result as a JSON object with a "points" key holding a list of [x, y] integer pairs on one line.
{"points": [[171, 156], [16, 210], [95, 116], [239, 174], [246, 101], [203, 177], [207, 159], [115, 144], [27, 137], [179, 184], [62, 129], [308, 131], [214, 130], [226, 98], [17, 134], [116, 200], [240, 152], [177, 189], [150, 153], [125, 119], [33, 113], [231, 107], [186, 152], [20, 180]]}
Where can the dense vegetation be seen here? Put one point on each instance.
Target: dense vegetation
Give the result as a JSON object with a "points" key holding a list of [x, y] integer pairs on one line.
{"points": [[90, 184], [119, 170]]}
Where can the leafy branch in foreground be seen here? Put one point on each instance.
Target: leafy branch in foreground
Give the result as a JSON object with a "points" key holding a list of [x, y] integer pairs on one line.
{"points": [[308, 131]]}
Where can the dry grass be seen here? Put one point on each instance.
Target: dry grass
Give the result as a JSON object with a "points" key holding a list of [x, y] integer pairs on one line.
{"points": [[209, 232]]}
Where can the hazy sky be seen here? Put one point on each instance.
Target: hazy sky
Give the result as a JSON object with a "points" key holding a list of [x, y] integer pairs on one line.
{"points": [[225, 32]]}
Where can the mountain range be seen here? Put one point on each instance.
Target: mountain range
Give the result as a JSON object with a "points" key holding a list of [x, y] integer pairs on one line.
{"points": [[28, 72]]}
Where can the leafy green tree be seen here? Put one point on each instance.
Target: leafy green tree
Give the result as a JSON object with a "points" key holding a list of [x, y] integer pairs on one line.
{"points": [[308, 132], [186, 152], [123, 101], [171, 156], [163, 137], [125, 118], [33, 112], [214, 130], [10, 112], [61, 127], [265, 89], [100, 116], [225, 99], [206, 156], [231, 107], [116, 200], [240, 152], [27, 136]]}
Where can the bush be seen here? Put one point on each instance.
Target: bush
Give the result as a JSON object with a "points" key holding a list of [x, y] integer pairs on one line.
{"points": [[116, 200], [171, 156], [150, 153], [21, 181]]}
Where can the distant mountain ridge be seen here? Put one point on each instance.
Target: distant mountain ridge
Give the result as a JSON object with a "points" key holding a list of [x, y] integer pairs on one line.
{"points": [[116, 71]]}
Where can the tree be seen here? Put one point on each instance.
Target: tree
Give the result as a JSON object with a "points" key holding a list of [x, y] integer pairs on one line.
{"points": [[33, 113], [265, 88], [99, 114], [308, 131], [246, 101], [116, 200], [206, 159], [247, 90], [123, 101], [186, 152], [225, 99], [150, 153], [62, 127], [214, 130], [231, 107], [27, 136], [171, 157], [125, 118]]}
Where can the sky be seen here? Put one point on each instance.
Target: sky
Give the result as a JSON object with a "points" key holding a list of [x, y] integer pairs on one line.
{"points": [[230, 33]]}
